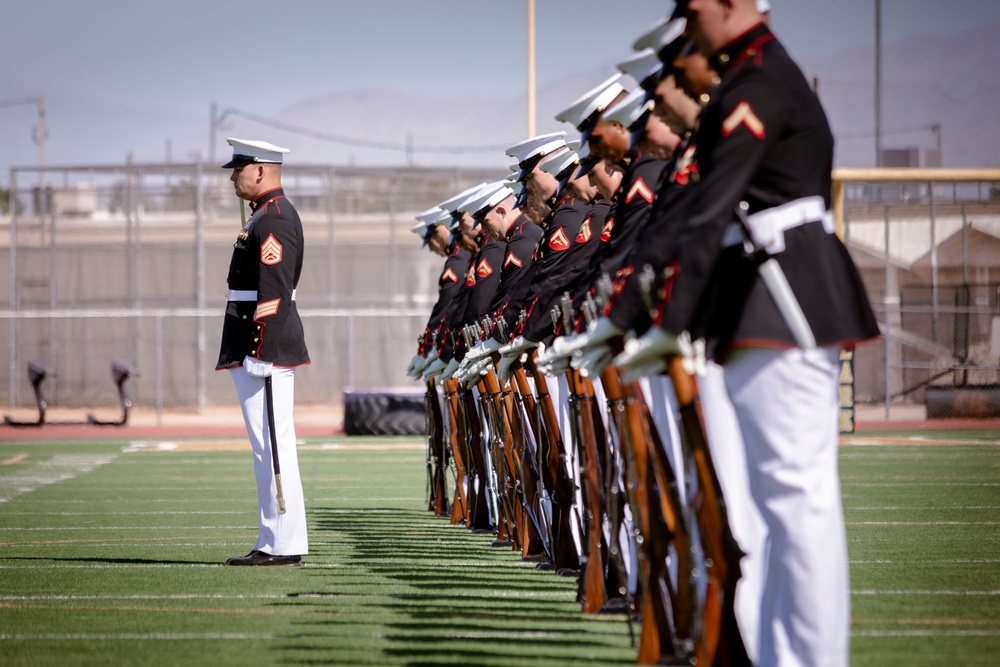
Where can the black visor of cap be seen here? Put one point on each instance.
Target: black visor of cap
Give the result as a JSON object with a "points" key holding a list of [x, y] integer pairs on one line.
{"points": [[239, 161], [586, 165]]}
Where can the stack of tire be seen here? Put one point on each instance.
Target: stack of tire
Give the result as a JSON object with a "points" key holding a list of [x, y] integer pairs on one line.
{"points": [[384, 412]]}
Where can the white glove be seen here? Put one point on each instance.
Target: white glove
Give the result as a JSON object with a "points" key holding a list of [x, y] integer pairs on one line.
{"points": [[653, 346], [475, 371], [257, 368], [426, 361], [601, 331], [563, 346], [435, 368], [411, 370], [692, 354], [593, 361], [482, 349], [516, 347], [654, 367], [452, 367], [505, 369]]}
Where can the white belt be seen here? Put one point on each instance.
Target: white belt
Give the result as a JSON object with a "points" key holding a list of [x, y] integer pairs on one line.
{"points": [[768, 227], [247, 295]]}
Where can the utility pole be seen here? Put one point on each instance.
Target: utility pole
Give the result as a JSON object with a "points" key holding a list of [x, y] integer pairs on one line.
{"points": [[531, 68], [211, 134], [878, 83]]}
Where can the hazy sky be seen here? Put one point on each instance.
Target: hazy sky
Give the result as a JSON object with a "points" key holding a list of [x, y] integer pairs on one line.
{"points": [[168, 61]]}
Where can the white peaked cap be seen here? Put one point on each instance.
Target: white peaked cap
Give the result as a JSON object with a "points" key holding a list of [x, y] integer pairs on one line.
{"points": [[488, 197], [594, 101], [642, 66], [419, 228], [629, 110], [661, 35], [574, 145], [247, 152], [559, 162], [763, 6], [432, 216], [530, 151], [454, 204]]}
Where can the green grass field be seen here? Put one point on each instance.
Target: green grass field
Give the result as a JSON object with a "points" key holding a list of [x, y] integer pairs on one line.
{"points": [[111, 552]]}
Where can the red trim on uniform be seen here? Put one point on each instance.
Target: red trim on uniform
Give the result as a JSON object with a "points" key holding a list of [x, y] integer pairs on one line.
{"points": [[743, 115], [641, 189], [558, 240], [609, 225]]}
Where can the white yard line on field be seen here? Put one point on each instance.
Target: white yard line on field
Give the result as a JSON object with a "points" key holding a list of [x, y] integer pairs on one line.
{"points": [[57, 469]]}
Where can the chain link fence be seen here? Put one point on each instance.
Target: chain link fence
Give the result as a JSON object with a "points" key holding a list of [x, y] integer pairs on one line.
{"points": [[128, 263]]}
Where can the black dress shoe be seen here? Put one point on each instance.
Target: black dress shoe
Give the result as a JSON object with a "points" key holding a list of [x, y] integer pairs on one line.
{"points": [[260, 558]]}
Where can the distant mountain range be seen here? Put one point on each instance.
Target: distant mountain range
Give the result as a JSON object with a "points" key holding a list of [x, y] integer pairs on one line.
{"points": [[951, 81]]}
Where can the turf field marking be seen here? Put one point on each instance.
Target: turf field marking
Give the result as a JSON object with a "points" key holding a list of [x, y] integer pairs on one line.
{"points": [[922, 509], [925, 633], [57, 469], [11, 460], [19, 529], [119, 637], [284, 596], [874, 441], [922, 592], [946, 561], [92, 607], [117, 513], [923, 523], [242, 445]]}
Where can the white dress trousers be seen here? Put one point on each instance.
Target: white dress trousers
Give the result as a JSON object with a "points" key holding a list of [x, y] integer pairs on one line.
{"points": [[729, 459], [786, 402], [280, 534]]}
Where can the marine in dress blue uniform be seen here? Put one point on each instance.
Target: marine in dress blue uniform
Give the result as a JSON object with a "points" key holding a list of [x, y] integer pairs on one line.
{"points": [[263, 342]]}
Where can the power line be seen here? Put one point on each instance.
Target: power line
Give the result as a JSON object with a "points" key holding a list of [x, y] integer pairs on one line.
{"points": [[352, 141]]}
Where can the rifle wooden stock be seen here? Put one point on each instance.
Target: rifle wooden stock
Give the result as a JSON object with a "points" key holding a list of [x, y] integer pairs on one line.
{"points": [[479, 511], [594, 590], [456, 438], [720, 643], [656, 513], [519, 462], [438, 498], [500, 445], [555, 476]]}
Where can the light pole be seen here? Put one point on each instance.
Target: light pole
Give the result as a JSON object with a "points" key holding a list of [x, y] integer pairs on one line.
{"points": [[39, 133], [531, 68], [878, 83]]}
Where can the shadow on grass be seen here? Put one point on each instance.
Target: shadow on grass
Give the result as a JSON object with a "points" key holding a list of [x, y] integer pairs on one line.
{"points": [[417, 591], [117, 561]]}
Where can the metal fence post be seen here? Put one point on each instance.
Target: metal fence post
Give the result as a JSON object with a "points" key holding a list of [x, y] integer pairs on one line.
{"points": [[14, 322], [158, 372], [199, 241]]}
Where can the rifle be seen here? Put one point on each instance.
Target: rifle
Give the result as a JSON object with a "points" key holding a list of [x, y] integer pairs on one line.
{"points": [[535, 444], [523, 475], [720, 642], [581, 411], [505, 511], [666, 611], [480, 520], [437, 455], [555, 475], [594, 592], [456, 438]]}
